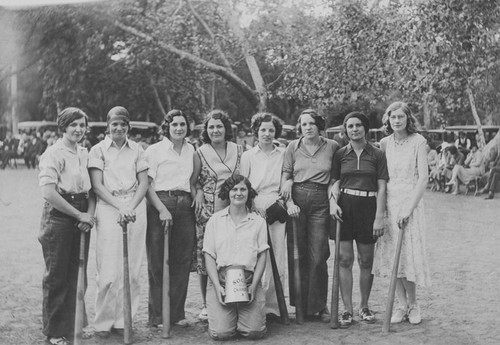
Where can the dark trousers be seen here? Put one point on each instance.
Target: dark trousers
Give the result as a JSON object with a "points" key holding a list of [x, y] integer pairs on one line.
{"points": [[60, 240], [313, 245], [180, 253], [493, 178]]}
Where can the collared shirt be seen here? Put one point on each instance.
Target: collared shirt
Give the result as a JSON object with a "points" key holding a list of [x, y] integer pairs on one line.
{"points": [[305, 167], [262, 169], [119, 165], [168, 169], [360, 173], [235, 244], [65, 168]]}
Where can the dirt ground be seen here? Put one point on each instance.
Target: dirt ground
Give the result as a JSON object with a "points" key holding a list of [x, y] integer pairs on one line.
{"points": [[461, 307]]}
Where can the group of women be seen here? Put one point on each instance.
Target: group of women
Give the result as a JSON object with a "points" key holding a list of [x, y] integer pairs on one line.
{"points": [[220, 191]]}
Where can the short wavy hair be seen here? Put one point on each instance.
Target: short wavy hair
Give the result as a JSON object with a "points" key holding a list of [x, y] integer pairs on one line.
{"points": [[233, 181], [68, 115], [411, 123], [169, 118], [318, 119], [217, 114], [258, 118], [362, 117]]}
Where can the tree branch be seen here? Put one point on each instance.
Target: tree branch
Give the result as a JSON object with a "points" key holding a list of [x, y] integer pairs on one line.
{"points": [[211, 34], [250, 94]]}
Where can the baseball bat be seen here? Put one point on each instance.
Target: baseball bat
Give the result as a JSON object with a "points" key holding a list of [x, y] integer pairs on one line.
{"points": [[299, 310], [392, 287], [166, 283], [80, 293], [280, 295], [127, 303], [334, 321]]}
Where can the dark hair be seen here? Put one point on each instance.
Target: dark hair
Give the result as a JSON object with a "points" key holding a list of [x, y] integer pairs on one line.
{"points": [[452, 149], [233, 181], [362, 117], [411, 123], [258, 118], [69, 115], [165, 125], [318, 119], [217, 114]]}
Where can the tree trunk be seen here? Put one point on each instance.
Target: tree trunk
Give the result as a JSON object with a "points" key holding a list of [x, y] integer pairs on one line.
{"points": [[427, 105], [260, 86], [476, 116], [156, 97]]}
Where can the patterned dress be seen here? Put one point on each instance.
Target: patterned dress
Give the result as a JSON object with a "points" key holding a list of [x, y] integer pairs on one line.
{"points": [[214, 171], [403, 176]]}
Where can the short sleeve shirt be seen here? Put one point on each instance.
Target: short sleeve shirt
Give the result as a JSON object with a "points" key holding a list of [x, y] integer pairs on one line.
{"points": [[235, 244], [306, 167], [360, 173], [65, 168], [119, 165], [168, 169]]}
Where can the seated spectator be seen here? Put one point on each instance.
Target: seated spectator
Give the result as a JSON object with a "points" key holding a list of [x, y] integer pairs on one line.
{"points": [[9, 149], [463, 143], [473, 167], [33, 148], [493, 174], [453, 157], [432, 156], [235, 236]]}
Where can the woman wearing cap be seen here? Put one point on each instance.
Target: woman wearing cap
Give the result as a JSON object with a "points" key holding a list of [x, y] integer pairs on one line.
{"points": [[118, 171], [214, 162], [405, 150], [358, 200], [68, 210], [306, 181], [262, 166], [170, 199]]}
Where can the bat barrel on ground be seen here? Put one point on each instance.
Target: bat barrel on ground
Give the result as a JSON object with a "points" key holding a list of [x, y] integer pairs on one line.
{"points": [[299, 307], [166, 283], [392, 287], [80, 293], [280, 295], [334, 322], [127, 304]]}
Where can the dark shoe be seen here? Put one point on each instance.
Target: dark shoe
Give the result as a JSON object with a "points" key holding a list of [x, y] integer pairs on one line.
{"points": [[57, 341], [345, 320], [271, 317], [118, 331], [366, 315], [325, 315], [102, 334], [490, 196]]}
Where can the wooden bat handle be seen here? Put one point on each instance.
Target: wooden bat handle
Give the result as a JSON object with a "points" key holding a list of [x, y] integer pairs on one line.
{"points": [[392, 287], [334, 321], [299, 308], [280, 295], [127, 303], [80, 293], [166, 284]]}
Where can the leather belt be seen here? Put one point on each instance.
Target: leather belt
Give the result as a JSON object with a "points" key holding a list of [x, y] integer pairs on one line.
{"points": [[173, 192], [75, 197], [355, 192]]}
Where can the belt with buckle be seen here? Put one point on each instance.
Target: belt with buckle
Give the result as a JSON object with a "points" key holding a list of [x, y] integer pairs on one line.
{"points": [[75, 197], [173, 192], [358, 192]]}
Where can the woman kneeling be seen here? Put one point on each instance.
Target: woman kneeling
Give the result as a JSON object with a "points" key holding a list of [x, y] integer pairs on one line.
{"points": [[235, 237]]}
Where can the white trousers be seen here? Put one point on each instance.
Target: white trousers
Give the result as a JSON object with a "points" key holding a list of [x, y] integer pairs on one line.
{"points": [[278, 241], [109, 256]]}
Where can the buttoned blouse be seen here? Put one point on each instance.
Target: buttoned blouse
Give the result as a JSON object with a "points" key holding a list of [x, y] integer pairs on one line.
{"points": [[262, 169], [235, 244], [168, 169], [360, 173], [65, 168], [306, 167], [119, 165]]}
